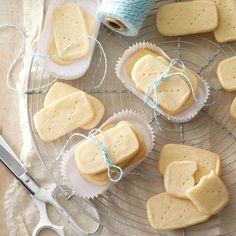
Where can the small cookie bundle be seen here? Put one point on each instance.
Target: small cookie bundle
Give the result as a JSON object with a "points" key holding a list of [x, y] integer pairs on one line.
{"points": [[67, 108], [71, 28], [164, 84], [194, 190], [174, 93], [184, 18], [124, 144]]}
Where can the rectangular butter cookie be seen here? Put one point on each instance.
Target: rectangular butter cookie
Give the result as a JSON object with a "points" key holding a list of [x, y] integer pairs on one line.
{"points": [[184, 18], [226, 30], [166, 212], [206, 160], [62, 116], [70, 31], [121, 143]]}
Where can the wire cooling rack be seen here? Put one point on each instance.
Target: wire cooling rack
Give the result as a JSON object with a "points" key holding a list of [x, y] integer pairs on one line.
{"points": [[122, 209]]}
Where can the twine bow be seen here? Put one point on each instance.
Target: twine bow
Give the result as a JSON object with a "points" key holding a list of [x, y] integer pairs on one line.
{"points": [[111, 168], [152, 88]]}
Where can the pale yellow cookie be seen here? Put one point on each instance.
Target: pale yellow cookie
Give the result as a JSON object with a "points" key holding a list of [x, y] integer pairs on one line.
{"points": [[99, 110], [70, 31], [210, 195], [172, 92], [63, 116], [139, 54], [121, 144], [193, 79], [226, 72], [233, 109], [179, 177], [184, 18], [166, 212], [102, 178], [226, 30], [52, 51], [206, 160], [59, 90]]}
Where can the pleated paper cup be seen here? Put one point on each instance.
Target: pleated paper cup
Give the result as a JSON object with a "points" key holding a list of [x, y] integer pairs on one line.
{"points": [[79, 67], [181, 117], [70, 173]]}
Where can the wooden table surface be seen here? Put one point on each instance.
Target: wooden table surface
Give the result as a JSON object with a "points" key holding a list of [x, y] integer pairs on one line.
{"points": [[10, 13]]}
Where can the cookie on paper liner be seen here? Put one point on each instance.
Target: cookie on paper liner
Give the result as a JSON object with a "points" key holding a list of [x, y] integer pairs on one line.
{"points": [[79, 67], [68, 168], [122, 74]]}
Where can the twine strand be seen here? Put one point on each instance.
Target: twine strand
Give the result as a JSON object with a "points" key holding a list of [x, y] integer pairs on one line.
{"points": [[111, 168]]}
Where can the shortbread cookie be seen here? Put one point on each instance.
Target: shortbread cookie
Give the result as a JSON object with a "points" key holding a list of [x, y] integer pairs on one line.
{"points": [[139, 54], [226, 30], [121, 144], [210, 195], [206, 160], [59, 90], [52, 51], [184, 18], [70, 31], [233, 109], [192, 77], [166, 212], [172, 92], [102, 178], [63, 116], [179, 177], [226, 72]]}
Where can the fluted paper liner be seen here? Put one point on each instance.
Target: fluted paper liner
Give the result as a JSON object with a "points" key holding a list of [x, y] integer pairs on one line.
{"points": [[181, 117], [79, 67], [70, 173]]}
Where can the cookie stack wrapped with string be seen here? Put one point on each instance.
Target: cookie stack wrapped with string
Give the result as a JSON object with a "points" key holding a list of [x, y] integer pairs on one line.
{"points": [[67, 42], [164, 84], [97, 161]]}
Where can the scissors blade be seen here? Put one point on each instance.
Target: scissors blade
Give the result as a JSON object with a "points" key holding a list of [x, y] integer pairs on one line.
{"points": [[8, 157]]}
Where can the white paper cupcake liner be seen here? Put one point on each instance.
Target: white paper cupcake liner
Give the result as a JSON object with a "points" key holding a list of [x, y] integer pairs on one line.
{"points": [[181, 117], [79, 67], [70, 173]]}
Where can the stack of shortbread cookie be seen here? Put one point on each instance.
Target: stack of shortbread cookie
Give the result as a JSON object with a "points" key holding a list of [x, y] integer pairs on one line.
{"points": [[124, 144], [71, 28], [194, 190], [199, 16], [174, 93], [67, 108]]}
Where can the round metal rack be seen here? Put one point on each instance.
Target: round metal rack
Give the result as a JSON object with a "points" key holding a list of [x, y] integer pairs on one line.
{"points": [[123, 208]]}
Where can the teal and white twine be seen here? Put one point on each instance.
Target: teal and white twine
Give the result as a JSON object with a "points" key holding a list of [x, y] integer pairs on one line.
{"points": [[125, 17], [21, 53], [111, 168], [152, 88]]}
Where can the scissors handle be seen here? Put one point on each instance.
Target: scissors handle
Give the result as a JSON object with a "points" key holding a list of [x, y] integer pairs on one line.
{"points": [[48, 196], [45, 222]]}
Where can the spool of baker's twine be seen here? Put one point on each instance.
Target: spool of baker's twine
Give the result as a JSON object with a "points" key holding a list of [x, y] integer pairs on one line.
{"points": [[21, 53], [124, 16]]}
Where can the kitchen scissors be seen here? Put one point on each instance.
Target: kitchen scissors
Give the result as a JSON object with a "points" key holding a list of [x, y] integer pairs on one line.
{"points": [[42, 196]]}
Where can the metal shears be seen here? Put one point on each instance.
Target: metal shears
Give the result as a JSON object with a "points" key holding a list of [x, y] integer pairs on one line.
{"points": [[40, 195]]}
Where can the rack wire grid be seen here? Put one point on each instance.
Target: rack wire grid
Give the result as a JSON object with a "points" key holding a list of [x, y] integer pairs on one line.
{"points": [[122, 209]]}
